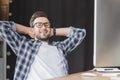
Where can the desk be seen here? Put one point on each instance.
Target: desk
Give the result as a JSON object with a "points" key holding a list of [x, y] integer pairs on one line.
{"points": [[79, 76]]}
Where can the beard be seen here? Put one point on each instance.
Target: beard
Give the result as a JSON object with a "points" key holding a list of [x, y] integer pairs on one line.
{"points": [[43, 37]]}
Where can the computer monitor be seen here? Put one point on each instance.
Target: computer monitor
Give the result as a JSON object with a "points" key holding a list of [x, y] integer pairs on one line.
{"points": [[107, 33]]}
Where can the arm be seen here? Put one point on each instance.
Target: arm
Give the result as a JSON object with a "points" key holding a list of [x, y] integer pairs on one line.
{"points": [[74, 37], [25, 30], [9, 34], [21, 29], [29, 31], [60, 31]]}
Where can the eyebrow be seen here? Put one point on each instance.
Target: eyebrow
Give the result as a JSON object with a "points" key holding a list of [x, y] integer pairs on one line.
{"points": [[41, 23]]}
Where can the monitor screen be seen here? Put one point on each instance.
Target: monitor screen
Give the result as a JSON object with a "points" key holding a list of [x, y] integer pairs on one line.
{"points": [[107, 33]]}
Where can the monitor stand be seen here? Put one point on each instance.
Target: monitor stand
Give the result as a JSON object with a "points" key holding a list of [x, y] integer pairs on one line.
{"points": [[109, 70]]}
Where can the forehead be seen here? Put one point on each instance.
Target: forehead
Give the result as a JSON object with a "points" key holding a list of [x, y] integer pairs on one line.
{"points": [[41, 19]]}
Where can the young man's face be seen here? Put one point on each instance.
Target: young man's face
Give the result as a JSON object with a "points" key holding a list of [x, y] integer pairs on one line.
{"points": [[42, 28]]}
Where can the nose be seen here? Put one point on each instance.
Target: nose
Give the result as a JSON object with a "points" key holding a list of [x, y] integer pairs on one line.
{"points": [[43, 26]]}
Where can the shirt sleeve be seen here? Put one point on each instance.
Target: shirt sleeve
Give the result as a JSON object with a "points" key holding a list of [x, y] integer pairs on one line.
{"points": [[74, 38], [9, 34]]}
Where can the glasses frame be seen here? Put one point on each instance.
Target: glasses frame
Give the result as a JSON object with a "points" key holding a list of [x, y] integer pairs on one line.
{"points": [[40, 24]]}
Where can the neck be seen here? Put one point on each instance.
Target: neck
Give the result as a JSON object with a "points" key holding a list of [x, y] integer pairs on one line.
{"points": [[46, 41]]}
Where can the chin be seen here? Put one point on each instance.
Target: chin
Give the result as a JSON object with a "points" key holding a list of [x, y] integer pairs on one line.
{"points": [[43, 38]]}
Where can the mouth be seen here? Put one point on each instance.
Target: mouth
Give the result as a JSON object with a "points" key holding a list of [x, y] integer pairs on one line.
{"points": [[44, 32]]}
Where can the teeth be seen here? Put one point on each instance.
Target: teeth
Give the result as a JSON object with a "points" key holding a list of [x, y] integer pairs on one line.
{"points": [[43, 32]]}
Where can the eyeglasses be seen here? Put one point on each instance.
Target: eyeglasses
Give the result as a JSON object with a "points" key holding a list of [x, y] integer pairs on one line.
{"points": [[40, 24]]}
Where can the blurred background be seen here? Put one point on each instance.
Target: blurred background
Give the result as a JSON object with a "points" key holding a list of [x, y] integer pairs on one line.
{"points": [[62, 13]]}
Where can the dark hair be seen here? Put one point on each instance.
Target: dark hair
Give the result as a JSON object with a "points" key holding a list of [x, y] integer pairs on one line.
{"points": [[36, 15]]}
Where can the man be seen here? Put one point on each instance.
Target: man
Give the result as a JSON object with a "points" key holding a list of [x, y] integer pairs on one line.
{"points": [[39, 59]]}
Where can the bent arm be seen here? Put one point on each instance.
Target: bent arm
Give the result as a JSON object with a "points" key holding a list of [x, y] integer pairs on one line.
{"points": [[62, 31], [9, 34], [21, 29], [25, 30], [74, 37]]}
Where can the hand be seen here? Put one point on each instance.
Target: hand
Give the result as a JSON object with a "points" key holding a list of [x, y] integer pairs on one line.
{"points": [[51, 34], [31, 32]]}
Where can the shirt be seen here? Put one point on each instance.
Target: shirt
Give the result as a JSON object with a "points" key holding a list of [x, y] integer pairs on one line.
{"points": [[47, 64], [26, 49]]}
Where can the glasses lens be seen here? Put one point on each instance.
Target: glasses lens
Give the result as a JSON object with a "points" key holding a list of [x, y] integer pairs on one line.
{"points": [[39, 24], [46, 24]]}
